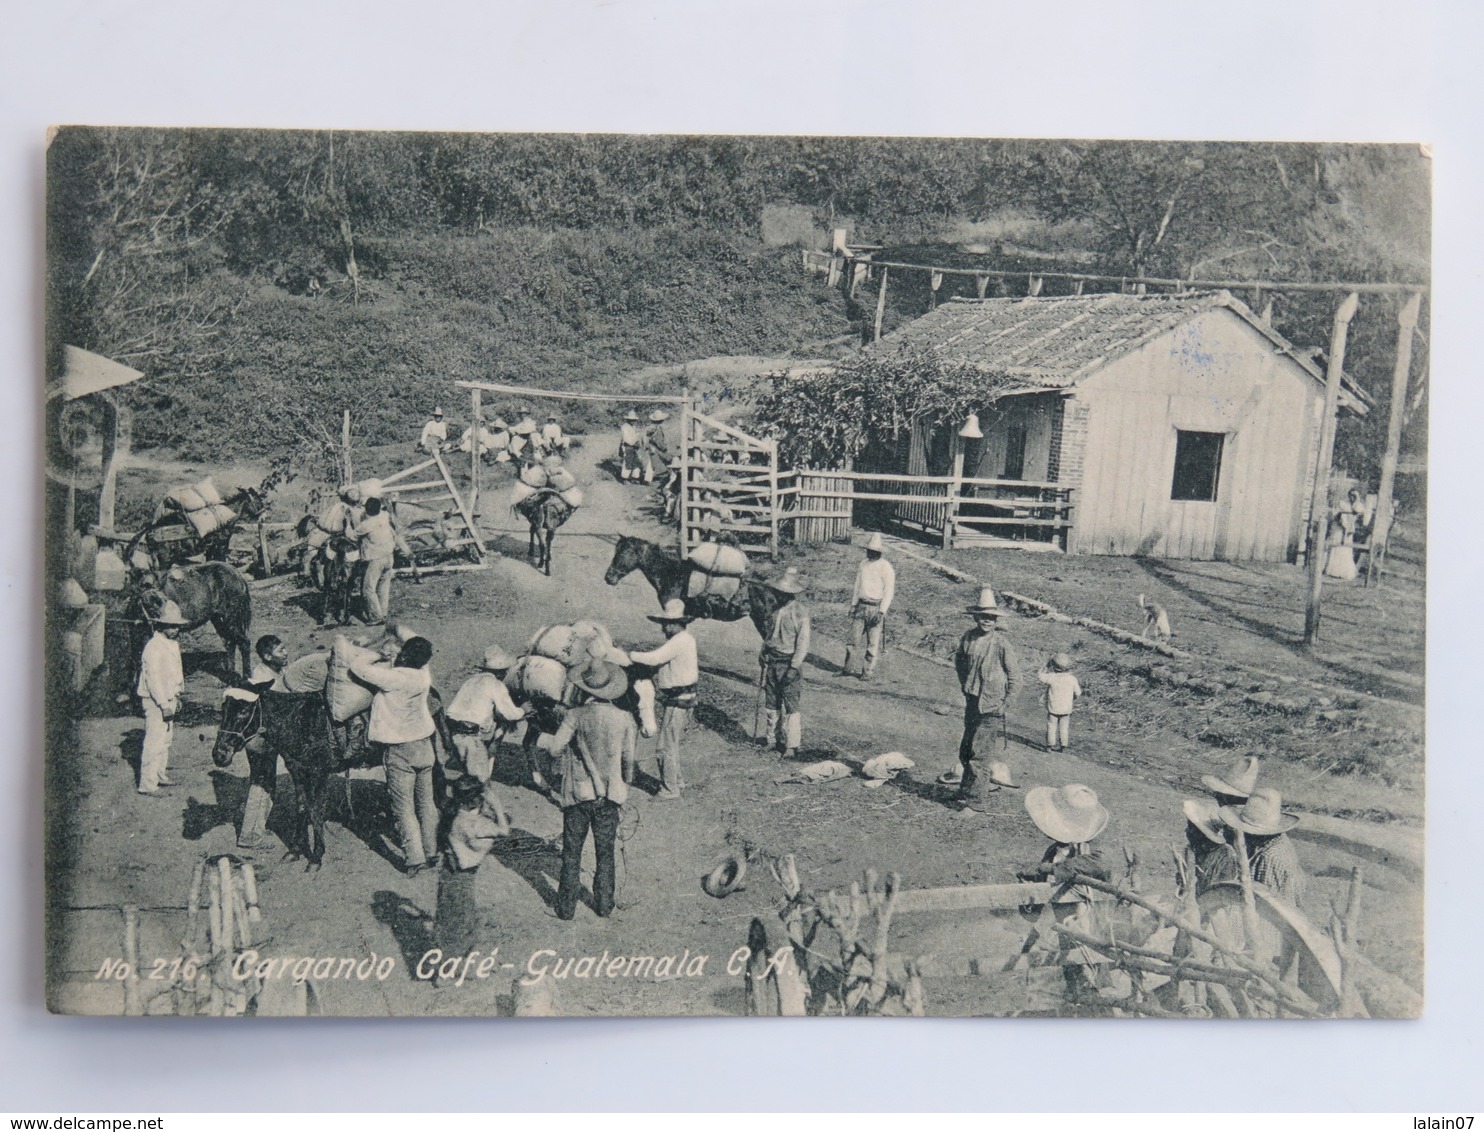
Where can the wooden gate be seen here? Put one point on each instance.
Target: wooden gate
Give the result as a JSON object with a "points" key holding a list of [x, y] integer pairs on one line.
{"points": [[729, 484]]}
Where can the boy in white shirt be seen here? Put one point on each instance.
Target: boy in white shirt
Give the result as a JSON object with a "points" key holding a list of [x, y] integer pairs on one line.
{"points": [[161, 680], [1062, 690]]}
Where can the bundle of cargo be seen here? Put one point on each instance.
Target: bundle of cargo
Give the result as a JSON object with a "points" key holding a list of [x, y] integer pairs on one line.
{"points": [[200, 504], [573, 644], [538, 677], [347, 696], [716, 570]]}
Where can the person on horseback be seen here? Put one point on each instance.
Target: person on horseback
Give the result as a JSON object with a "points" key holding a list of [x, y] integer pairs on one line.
{"points": [[676, 681], [552, 437], [161, 681]]}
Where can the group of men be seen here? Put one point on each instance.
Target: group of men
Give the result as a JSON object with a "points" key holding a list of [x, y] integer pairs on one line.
{"points": [[498, 441], [643, 455]]}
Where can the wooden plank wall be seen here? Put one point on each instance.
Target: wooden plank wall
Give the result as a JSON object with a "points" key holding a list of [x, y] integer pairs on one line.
{"points": [[1216, 374], [816, 528]]}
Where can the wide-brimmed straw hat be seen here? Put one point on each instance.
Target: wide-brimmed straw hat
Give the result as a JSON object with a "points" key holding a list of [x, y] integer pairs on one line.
{"points": [[874, 542], [987, 603], [1061, 662], [1069, 814], [169, 614], [497, 659], [999, 774], [438, 412], [1205, 815], [551, 416], [659, 416], [674, 611], [631, 416], [601, 680], [787, 582], [1261, 815], [1239, 782]]}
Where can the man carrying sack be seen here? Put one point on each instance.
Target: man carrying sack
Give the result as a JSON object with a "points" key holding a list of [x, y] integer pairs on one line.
{"points": [[875, 586], [782, 662], [988, 674], [675, 681]]}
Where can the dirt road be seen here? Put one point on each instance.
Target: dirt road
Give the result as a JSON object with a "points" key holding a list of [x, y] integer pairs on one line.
{"points": [[130, 849]]}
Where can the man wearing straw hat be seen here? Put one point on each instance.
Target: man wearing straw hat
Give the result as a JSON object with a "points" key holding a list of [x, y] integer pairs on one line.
{"points": [[1238, 784], [1270, 854], [161, 681], [630, 463], [552, 437], [594, 744], [1206, 836], [782, 662], [480, 713], [656, 444], [434, 435], [875, 587], [675, 682], [988, 674]]}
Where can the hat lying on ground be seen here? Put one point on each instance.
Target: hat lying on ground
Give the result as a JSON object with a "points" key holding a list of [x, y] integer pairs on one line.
{"points": [[826, 771], [987, 603], [786, 583], [726, 878], [999, 774], [1068, 814], [1205, 816], [880, 770], [497, 659], [674, 611], [1261, 815], [1239, 782]]}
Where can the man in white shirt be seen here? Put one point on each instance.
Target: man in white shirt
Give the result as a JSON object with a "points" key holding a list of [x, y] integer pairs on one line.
{"points": [[481, 712], [379, 542], [402, 726], [552, 439], [875, 586], [434, 435], [161, 681], [675, 681]]}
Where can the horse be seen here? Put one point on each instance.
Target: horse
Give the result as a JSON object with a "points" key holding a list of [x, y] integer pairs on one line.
{"points": [[210, 591], [670, 577], [545, 511]]}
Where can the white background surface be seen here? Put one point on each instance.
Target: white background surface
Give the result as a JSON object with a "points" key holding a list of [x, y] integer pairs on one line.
{"points": [[1259, 70]]}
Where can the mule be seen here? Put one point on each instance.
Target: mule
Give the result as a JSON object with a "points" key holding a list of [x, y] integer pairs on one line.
{"points": [[670, 578], [545, 511], [341, 571], [210, 591], [296, 725], [169, 539]]}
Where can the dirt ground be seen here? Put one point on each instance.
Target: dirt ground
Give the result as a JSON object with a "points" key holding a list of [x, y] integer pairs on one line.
{"points": [[1142, 737]]}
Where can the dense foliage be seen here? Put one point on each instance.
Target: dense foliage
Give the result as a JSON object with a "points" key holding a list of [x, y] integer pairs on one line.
{"points": [[287, 273]]}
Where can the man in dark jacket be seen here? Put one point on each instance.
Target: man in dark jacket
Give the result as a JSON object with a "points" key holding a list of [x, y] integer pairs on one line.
{"points": [[988, 674]]}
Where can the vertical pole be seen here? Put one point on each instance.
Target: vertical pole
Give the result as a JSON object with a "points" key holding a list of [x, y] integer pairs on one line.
{"points": [[116, 451], [1406, 325], [773, 497], [350, 473], [687, 425], [1319, 495], [132, 1004], [880, 306], [476, 428], [950, 512]]}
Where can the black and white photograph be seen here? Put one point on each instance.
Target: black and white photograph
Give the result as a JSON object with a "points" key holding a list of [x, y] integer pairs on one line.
{"points": [[590, 575]]}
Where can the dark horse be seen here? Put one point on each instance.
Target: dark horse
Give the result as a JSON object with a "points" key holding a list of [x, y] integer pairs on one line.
{"points": [[169, 537], [546, 511], [211, 591], [670, 577]]}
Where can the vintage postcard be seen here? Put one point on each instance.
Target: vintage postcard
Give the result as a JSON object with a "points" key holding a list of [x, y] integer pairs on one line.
{"points": [[642, 575]]}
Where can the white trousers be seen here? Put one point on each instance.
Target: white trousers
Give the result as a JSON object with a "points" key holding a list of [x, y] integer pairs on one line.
{"points": [[155, 755]]}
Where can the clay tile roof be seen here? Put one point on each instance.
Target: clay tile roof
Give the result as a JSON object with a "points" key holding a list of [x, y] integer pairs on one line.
{"points": [[1053, 342]]}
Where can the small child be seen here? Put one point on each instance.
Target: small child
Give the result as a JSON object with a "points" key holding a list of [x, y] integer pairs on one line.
{"points": [[1061, 690]]}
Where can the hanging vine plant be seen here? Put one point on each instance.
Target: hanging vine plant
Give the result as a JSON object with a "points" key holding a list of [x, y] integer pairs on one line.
{"points": [[825, 419]]}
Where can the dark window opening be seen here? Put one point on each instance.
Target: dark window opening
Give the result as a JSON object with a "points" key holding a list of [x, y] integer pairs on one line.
{"points": [[1014, 452], [1197, 465]]}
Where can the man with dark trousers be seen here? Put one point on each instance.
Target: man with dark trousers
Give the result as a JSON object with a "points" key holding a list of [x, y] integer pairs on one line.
{"points": [[988, 674], [594, 744]]}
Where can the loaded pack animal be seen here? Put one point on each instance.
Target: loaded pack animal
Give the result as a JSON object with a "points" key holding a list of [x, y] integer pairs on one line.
{"points": [[545, 511], [169, 538], [670, 577], [300, 728], [208, 592]]}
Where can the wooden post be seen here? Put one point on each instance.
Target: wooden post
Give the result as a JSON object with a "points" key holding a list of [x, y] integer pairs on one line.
{"points": [[350, 473], [115, 453], [773, 498], [881, 306], [981, 284], [475, 429], [950, 512], [1406, 326], [1319, 495], [935, 280], [687, 427]]}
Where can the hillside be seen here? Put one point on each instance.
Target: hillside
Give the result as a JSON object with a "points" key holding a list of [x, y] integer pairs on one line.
{"points": [[578, 310]]}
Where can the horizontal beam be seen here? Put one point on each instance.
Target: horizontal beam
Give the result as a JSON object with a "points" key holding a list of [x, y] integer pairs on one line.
{"points": [[984, 897], [557, 395]]}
